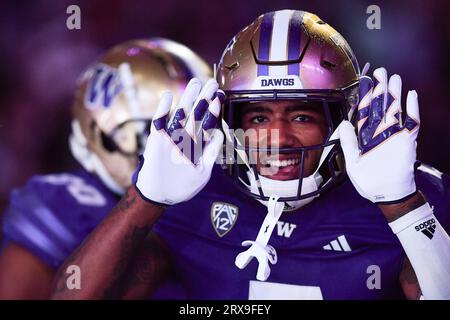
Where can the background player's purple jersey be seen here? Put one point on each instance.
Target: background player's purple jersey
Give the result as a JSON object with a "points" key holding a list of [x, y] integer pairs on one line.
{"points": [[52, 214], [338, 247]]}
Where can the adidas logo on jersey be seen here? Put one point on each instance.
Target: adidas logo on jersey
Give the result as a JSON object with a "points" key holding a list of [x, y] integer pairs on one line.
{"points": [[427, 228], [339, 244], [285, 229]]}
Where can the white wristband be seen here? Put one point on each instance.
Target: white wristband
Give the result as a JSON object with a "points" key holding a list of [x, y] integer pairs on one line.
{"points": [[427, 246]]}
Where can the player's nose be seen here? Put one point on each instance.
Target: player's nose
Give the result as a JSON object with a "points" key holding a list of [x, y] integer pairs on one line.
{"points": [[281, 135]]}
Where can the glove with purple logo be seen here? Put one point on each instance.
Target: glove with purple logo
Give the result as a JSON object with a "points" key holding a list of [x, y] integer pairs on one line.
{"points": [[182, 147], [380, 158]]}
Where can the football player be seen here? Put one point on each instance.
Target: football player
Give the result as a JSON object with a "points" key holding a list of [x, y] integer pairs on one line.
{"points": [[115, 100], [319, 182]]}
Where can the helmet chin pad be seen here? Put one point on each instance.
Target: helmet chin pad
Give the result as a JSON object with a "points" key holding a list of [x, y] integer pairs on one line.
{"points": [[286, 189]]}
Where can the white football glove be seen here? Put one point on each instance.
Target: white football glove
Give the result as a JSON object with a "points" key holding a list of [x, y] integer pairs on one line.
{"points": [[380, 161], [182, 148]]}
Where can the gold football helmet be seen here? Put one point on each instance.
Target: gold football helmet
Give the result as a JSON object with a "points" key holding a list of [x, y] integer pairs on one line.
{"points": [[288, 55], [116, 98]]}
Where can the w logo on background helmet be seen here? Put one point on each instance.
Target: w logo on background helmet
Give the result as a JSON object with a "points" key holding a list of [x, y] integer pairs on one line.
{"points": [[103, 87]]}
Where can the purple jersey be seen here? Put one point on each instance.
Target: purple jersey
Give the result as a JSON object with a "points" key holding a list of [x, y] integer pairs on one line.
{"points": [[52, 214], [330, 249]]}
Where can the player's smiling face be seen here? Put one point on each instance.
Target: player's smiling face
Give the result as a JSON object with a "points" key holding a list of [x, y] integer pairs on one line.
{"points": [[285, 124]]}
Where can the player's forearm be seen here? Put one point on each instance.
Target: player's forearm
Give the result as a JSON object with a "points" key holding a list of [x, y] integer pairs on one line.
{"points": [[105, 254]]}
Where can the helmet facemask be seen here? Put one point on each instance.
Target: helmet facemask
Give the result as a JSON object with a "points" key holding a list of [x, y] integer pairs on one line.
{"points": [[297, 171]]}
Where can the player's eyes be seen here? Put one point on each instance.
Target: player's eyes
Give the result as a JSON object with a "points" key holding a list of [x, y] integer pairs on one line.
{"points": [[303, 118], [258, 119]]}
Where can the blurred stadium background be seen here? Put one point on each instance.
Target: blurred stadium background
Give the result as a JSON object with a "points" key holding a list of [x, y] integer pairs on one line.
{"points": [[40, 60]]}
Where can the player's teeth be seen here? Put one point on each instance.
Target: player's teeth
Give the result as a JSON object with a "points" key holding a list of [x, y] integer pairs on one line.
{"points": [[282, 163]]}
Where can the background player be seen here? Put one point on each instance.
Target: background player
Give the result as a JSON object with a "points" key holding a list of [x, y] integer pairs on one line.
{"points": [[114, 102]]}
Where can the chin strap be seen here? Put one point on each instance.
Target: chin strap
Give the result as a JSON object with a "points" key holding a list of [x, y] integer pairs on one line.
{"points": [[259, 248]]}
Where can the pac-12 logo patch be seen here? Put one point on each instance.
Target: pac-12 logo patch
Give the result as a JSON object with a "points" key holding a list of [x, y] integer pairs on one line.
{"points": [[223, 217]]}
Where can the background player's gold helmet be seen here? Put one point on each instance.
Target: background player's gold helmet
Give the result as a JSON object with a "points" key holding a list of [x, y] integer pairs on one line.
{"points": [[286, 55], [116, 98]]}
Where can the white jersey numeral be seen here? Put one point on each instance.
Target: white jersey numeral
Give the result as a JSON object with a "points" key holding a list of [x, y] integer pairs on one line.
{"points": [[259, 290], [84, 193]]}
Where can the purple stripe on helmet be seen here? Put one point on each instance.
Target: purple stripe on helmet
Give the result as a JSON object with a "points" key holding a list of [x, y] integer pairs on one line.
{"points": [[265, 35], [294, 43]]}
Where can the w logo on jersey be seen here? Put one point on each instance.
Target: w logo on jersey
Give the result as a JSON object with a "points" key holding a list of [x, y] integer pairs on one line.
{"points": [[223, 217], [103, 87], [285, 229]]}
